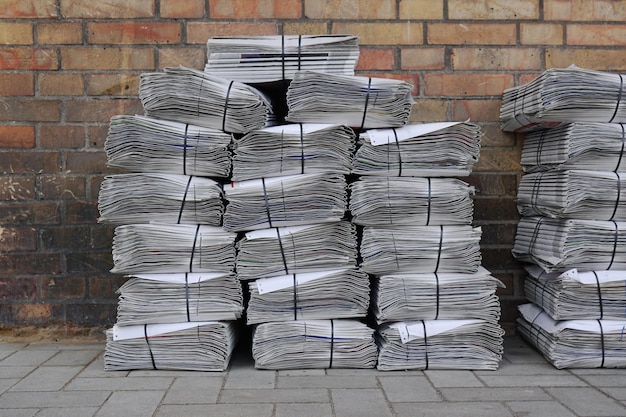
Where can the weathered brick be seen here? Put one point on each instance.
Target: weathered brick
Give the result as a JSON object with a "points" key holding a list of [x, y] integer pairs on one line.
{"points": [[100, 110], [93, 263], [28, 9], [16, 289], [14, 136], [193, 57], [104, 287], [376, 59], [30, 264], [498, 159], [459, 84], [14, 188], [17, 84], [541, 34], [16, 33], [509, 282], [96, 135], [81, 212], [499, 259], [31, 213], [304, 28], [498, 59], [492, 135], [112, 84], [91, 314], [61, 136], [412, 79], [60, 84], [255, 9], [18, 239], [62, 287], [493, 184], [179, 9], [62, 187], [480, 110], [584, 10], [64, 238], [30, 110], [133, 32], [599, 59], [423, 58], [29, 162], [110, 9], [471, 33], [382, 33], [93, 162], [200, 32], [107, 58], [59, 33], [102, 236], [498, 234], [350, 9], [429, 110], [493, 9], [96, 183], [528, 77], [32, 313], [596, 35], [28, 59], [421, 9]]}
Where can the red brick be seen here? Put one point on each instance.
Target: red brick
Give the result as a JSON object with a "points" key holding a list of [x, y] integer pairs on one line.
{"points": [[350, 9], [32, 313], [584, 10], [383, 33], [304, 28], [14, 188], [93, 263], [182, 9], [492, 135], [17, 84], [102, 235], [96, 135], [30, 213], [412, 79], [541, 34], [495, 209], [429, 110], [107, 58], [112, 84], [459, 84], [255, 9], [500, 59], [81, 212], [60, 84], [18, 239], [490, 184], [498, 234], [528, 77], [15, 136], [471, 33], [28, 9], [93, 162], [27, 162], [105, 287], [480, 110], [16, 33], [596, 35], [61, 136], [61, 287], [421, 9], [110, 9], [91, 314], [376, 59], [18, 288], [193, 57], [493, 9], [59, 33], [30, 110], [30, 264], [200, 32], [62, 187], [65, 238], [598, 59], [133, 32], [100, 110], [28, 59], [423, 58]]}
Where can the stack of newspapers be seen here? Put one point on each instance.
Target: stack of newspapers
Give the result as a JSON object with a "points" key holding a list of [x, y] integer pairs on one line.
{"points": [[572, 232], [430, 294]]}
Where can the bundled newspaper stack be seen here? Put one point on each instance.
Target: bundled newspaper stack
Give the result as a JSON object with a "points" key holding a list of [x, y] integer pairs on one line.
{"points": [[430, 294], [573, 227]]}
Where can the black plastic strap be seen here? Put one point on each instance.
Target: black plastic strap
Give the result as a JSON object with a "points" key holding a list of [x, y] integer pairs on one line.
{"points": [[425, 344], [332, 342], [621, 152], [533, 327], [182, 204], [534, 236], [187, 295], [282, 251], [601, 342], [367, 99], [439, 250], [534, 194], [437, 311], [301, 149], [615, 238], [185, 149], [619, 192], [540, 148], [299, 50], [429, 202], [226, 105], [395, 250], [295, 297], [599, 294], [267, 205], [282, 53], [395, 134], [193, 248], [145, 336], [619, 97]]}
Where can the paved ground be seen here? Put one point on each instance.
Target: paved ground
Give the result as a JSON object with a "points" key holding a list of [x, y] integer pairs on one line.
{"points": [[66, 380]]}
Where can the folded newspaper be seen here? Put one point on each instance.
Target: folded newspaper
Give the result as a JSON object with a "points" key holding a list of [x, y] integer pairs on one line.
{"points": [[441, 149], [257, 59], [325, 344], [561, 95], [293, 149], [189, 96], [195, 346], [574, 343]]}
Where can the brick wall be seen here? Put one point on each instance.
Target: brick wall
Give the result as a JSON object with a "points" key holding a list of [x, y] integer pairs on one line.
{"points": [[67, 66]]}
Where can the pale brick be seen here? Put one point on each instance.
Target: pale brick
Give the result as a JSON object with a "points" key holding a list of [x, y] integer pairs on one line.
{"points": [[200, 32], [182, 9], [383, 33], [112, 84], [421, 9], [499, 159], [596, 35], [505, 59], [28, 9], [255, 9], [527, 77], [110, 9], [466, 84], [429, 110], [65, 33], [95, 58], [541, 34], [134, 32], [493, 9], [476, 110], [376, 59], [350, 9], [16, 33], [17, 84], [187, 57], [60, 84], [422, 58], [100, 110], [305, 28], [598, 59], [471, 33], [585, 10], [17, 136], [28, 59]]}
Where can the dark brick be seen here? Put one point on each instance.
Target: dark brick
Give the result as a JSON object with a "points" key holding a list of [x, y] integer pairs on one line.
{"points": [[14, 188], [65, 238], [503, 234], [55, 136], [508, 280], [87, 162], [30, 264], [32, 313], [62, 187], [102, 236], [30, 110], [509, 309], [30, 213], [498, 259], [495, 209], [62, 287], [91, 313], [96, 135], [29, 162], [100, 110], [89, 262], [103, 287], [493, 184], [18, 239], [79, 212], [14, 289]]}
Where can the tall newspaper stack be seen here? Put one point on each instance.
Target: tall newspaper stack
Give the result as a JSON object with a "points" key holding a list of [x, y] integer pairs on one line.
{"points": [[572, 233], [434, 304]]}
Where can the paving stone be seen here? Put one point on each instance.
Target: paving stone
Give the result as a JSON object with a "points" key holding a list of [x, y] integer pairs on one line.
{"points": [[539, 409], [52, 399], [564, 380], [348, 372], [277, 395], [221, 410], [605, 380], [507, 368], [587, 402], [443, 378], [494, 394], [26, 358], [408, 389], [193, 390], [20, 412], [68, 412], [327, 382], [65, 346], [15, 371], [96, 370], [359, 403], [469, 409], [619, 393], [301, 372], [131, 403], [239, 378], [308, 410], [47, 378], [175, 373], [73, 358], [7, 383], [120, 384]]}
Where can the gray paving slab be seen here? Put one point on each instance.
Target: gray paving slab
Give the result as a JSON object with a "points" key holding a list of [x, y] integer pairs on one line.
{"points": [[467, 409], [605, 380], [277, 395], [441, 378], [20, 412], [64, 346], [239, 378], [301, 372], [96, 370], [119, 384], [221, 410], [329, 381], [28, 357], [359, 403], [47, 378], [559, 380], [539, 409], [408, 389], [308, 410], [7, 383], [617, 393], [52, 399], [131, 403], [494, 394], [15, 371], [68, 412], [73, 357], [508, 368], [194, 390], [587, 401]]}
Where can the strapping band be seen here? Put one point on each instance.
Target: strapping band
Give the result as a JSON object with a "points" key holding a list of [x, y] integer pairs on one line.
{"points": [[226, 105], [619, 192], [599, 294], [439, 250], [145, 336], [185, 149], [619, 97], [282, 252], [615, 238], [429, 203], [425, 344], [193, 248], [395, 250], [621, 152], [437, 311], [601, 342], [182, 204], [332, 342], [187, 295], [267, 205], [367, 99], [534, 236], [299, 50], [282, 53], [295, 297], [399, 152], [301, 149]]}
